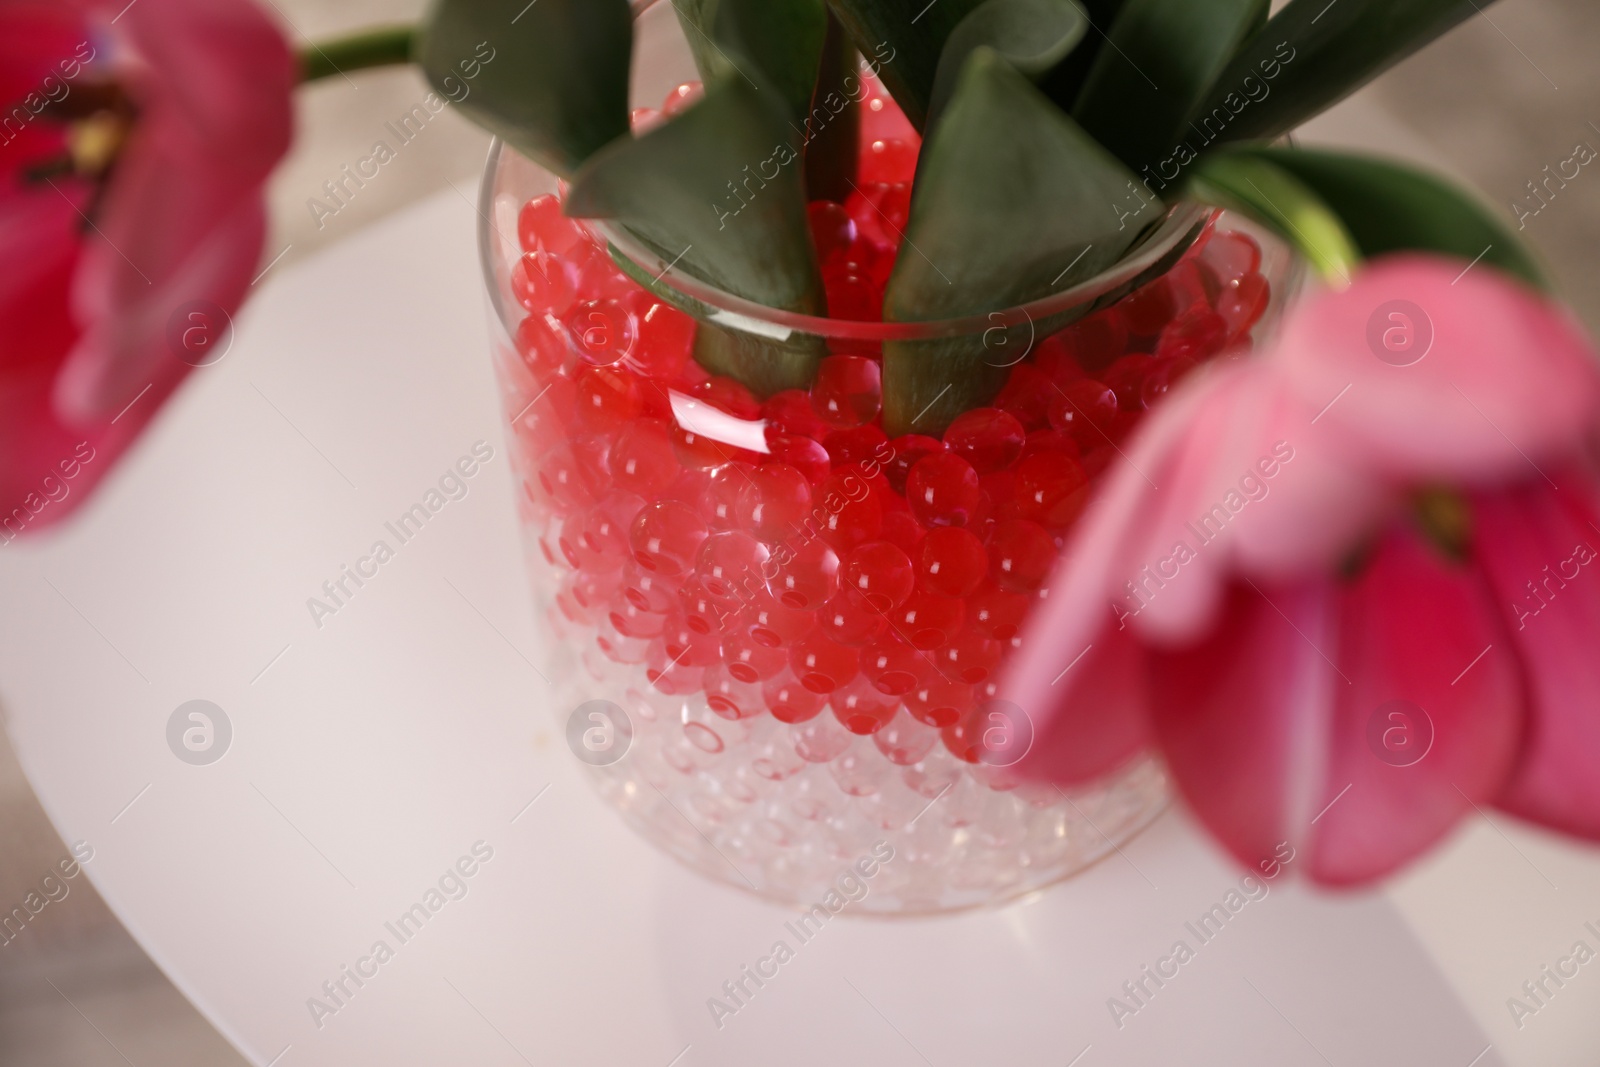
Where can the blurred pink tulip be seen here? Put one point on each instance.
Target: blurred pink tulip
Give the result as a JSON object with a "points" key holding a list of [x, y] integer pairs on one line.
{"points": [[1256, 596], [134, 141]]}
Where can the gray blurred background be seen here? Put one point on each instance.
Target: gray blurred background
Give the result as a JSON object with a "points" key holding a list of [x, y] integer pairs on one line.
{"points": [[1511, 91]]}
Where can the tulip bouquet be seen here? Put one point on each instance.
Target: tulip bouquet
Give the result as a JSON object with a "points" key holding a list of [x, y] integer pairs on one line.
{"points": [[1336, 578]]}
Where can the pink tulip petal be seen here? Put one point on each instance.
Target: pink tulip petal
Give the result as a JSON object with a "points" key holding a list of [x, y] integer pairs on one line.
{"points": [[1094, 717], [1508, 373], [1426, 716], [1539, 548], [1240, 715], [212, 79]]}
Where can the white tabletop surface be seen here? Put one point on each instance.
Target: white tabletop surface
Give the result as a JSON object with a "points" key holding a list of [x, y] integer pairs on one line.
{"points": [[370, 754]]}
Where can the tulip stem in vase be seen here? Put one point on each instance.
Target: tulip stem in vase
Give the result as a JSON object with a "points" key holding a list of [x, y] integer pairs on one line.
{"points": [[382, 47]]}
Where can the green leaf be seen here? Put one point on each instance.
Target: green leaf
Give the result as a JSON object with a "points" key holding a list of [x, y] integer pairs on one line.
{"points": [[1389, 207], [695, 16], [902, 41], [718, 192], [833, 139], [1014, 201], [1247, 182], [781, 40], [1032, 35], [1065, 82], [552, 76], [1313, 53], [1160, 61]]}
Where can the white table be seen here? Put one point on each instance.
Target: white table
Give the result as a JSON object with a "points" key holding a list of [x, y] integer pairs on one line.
{"points": [[370, 754]]}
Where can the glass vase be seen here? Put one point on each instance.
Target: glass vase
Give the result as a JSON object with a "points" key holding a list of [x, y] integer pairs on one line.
{"points": [[774, 631]]}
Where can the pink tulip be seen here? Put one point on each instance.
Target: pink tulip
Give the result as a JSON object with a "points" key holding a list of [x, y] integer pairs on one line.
{"points": [[1254, 596], [134, 141]]}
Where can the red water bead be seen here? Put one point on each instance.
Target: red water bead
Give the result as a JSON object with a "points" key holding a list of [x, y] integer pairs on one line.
{"points": [[645, 119], [602, 331], [927, 619], [943, 490], [856, 445], [808, 577], [631, 620], [852, 297], [539, 284], [862, 258], [696, 451], [861, 709], [804, 454], [682, 97], [894, 208], [850, 513], [971, 657], [880, 572], [703, 611], [604, 530], [1021, 555], [1126, 378], [773, 624], [964, 737], [730, 563], [1000, 493], [889, 160], [849, 620], [1026, 395], [987, 438], [998, 613], [543, 344], [791, 702], [666, 535], [1228, 256], [731, 697], [1095, 341], [790, 412], [688, 644], [1051, 441], [774, 499], [940, 702], [894, 667], [821, 664], [1147, 309], [1087, 409], [1166, 374], [689, 487], [720, 505], [750, 662], [1052, 489], [608, 397], [665, 342], [729, 396], [541, 227], [902, 530], [907, 451], [847, 391], [566, 486], [1242, 303], [832, 228], [672, 676], [641, 459], [1197, 334], [596, 276], [951, 561], [649, 590]]}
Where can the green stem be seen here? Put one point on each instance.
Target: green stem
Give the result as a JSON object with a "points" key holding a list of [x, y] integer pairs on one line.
{"points": [[386, 46], [1278, 200]]}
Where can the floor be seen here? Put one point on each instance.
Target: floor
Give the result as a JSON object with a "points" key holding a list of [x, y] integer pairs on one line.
{"points": [[1512, 91]]}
